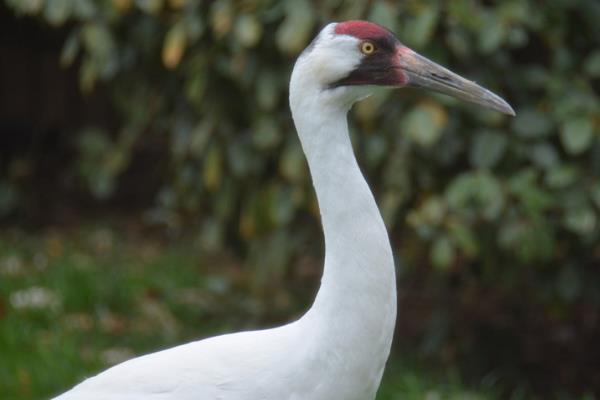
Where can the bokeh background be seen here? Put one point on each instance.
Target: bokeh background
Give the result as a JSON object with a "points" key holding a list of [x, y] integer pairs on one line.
{"points": [[153, 190]]}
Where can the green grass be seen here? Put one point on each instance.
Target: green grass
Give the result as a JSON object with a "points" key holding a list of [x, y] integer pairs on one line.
{"points": [[73, 303]]}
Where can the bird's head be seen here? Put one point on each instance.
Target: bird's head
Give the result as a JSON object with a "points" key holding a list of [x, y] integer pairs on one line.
{"points": [[348, 59]]}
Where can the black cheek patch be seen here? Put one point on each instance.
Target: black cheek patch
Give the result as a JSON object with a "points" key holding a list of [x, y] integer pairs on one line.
{"points": [[377, 69]]}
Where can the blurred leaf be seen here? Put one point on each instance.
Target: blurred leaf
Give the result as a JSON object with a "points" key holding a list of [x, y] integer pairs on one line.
{"points": [[418, 30], [492, 34], [530, 241], [515, 11], [178, 4], [225, 201], [122, 5], [544, 155], [572, 101], [292, 163], [248, 222], [267, 90], [525, 187], [595, 194], [150, 6], [442, 253], [562, 58], [194, 25], [433, 210], [458, 42], [69, 50], [57, 11], [281, 205], [242, 161], [464, 238], [576, 135], [265, 133], [88, 74], [476, 192], [389, 205], [532, 124], [84, 8], [487, 149], [98, 42], [27, 6], [581, 220], [211, 234], [293, 34], [368, 109], [8, 198], [197, 81], [384, 13], [562, 176], [569, 284], [516, 37], [248, 30], [424, 123], [174, 46], [222, 15], [592, 64], [199, 137], [536, 76], [212, 168], [375, 150], [100, 163], [181, 137]]}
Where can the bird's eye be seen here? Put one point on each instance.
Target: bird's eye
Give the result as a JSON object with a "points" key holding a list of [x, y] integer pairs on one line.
{"points": [[367, 48]]}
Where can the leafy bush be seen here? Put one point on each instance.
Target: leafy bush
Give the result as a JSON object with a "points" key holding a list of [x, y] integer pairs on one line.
{"points": [[495, 219]]}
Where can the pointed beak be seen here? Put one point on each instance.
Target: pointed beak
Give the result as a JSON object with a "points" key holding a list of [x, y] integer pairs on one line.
{"points": [[423, 73]]}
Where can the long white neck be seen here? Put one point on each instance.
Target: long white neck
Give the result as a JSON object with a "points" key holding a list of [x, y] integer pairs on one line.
{"points": [[355, 308]]}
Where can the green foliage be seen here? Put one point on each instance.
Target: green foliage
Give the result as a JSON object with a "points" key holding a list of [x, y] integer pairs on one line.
{"points": [[82, 301], [506, 205]]}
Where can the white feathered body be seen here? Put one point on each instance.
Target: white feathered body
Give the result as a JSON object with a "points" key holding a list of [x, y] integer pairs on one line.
{"points": [[338, 349]]}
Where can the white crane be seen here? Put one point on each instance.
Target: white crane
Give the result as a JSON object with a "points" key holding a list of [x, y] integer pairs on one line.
{"points": [[339, 348]]}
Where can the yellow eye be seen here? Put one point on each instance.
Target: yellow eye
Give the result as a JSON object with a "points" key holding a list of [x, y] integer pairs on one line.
{"points": [[367, 48]]}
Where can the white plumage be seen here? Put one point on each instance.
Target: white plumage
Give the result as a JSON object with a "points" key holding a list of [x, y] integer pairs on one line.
{"points": [[338, 349]]}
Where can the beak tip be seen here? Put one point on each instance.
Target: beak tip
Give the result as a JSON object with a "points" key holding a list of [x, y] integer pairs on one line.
{"points": [[506, 109], [497, 103], [509, 111]]}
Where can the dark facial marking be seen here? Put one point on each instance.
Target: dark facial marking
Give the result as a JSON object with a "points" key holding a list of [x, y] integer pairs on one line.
{"points": [[377, 68]]}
